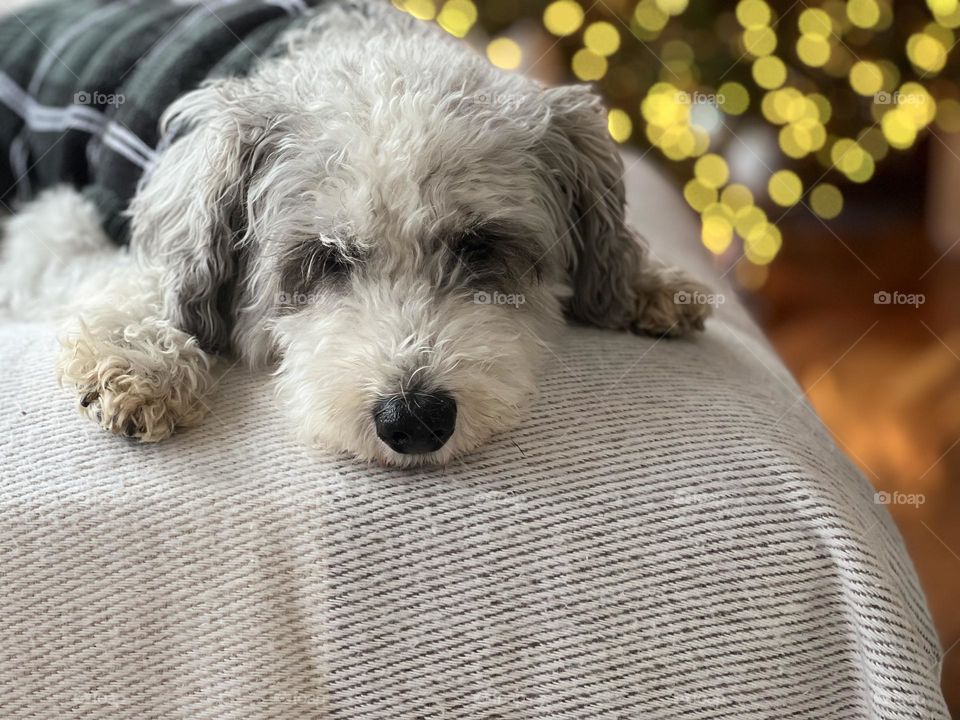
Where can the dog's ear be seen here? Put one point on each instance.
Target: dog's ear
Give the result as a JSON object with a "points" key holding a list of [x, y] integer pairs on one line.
{"points": [[191, 210], [604, 255]]}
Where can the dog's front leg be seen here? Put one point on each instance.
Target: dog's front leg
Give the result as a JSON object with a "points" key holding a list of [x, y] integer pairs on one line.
{"points": [[669, 302], [133, 372]]}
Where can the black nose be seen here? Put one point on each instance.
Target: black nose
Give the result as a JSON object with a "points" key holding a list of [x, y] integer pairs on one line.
{"points": [[417, 422]]}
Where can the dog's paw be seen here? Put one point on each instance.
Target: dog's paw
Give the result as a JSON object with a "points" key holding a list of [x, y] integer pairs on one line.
{"points": [[677, 306], [124, 406], [134, 391]]}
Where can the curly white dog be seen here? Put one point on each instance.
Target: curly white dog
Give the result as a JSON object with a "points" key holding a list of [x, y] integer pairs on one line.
{"points": [[396, 225]]}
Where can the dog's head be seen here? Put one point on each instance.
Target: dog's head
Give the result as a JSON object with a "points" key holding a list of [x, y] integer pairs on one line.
{"points": [[407, 223]]}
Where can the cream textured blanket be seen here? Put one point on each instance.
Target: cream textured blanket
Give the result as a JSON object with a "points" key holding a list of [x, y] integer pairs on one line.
{"points": [[673, 534]]}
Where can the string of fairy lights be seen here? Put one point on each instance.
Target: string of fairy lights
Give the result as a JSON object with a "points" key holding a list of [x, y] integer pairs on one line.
{"points": [[837, 85]]}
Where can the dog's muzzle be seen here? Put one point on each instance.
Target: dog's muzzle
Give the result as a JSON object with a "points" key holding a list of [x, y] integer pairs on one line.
{"points": [[416, 423]]}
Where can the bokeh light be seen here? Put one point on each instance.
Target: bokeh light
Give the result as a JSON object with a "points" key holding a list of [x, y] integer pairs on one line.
{"points": [[826, 200], [821, 82], [563, 17], [587, 65], [505, 53], [769, 72], [712, 170], [457, 17], [601, 38], [619, 125], [785, 188]]}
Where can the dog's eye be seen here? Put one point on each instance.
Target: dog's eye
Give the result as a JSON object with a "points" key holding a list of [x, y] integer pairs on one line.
{"points": [[481, 250], [492, 254], [309, 264], [474, 249], [328, 262]]}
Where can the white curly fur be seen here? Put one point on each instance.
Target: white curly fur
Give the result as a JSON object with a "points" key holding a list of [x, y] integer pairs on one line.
{"points": [[336, 214]]}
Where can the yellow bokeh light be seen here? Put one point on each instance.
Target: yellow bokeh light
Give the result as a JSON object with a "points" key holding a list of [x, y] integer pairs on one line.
{"points": [[813, 50], [672, 7], [619, 125], [719, 210], [662, 107], [788, 104], [785, 188], [863, 13], [816, 22], [505, 53], [846, 155], [421, 9], [763, 244], [865, 171], [750, 222], [701, 141], [759, 41], [602, 38], [826, 201], [816, 133], [801, 138], [942, 7], [926, 52], [587, 65], [824, 108], [712, 170], [899, 129], [650, 17], [698, 195], [866, 78], [733, 98], [457, 17], [678, 142], [667, 110], [772, 107], [941, 34], [769, 72], [716, 233], [917, 103], [852, 160], [793, 143], [563, 17], [753, 13], [736, 197], [949, 19]]}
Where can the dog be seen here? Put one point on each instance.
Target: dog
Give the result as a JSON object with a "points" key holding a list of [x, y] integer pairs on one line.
{"points": [[394, 225]]}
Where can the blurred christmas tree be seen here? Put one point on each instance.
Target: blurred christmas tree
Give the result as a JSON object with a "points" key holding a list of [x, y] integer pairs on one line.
{"points": [[759, 106]]}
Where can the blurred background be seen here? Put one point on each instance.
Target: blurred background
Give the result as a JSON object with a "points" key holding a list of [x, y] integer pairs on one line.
{"points": [[819, 142]]}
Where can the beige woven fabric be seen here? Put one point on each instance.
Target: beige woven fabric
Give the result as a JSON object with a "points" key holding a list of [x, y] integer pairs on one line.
{"points": [[672, 534]]}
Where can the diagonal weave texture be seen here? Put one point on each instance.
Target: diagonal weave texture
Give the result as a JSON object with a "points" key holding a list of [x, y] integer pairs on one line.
{"points": [[672, 534]]}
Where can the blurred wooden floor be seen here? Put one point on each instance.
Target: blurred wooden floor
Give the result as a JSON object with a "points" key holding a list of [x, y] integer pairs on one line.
{"points": [[886, 380]]}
